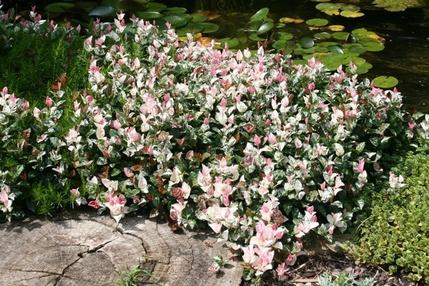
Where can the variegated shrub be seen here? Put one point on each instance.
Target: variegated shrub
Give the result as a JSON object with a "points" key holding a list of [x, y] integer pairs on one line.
{"points": [[262, 151]]}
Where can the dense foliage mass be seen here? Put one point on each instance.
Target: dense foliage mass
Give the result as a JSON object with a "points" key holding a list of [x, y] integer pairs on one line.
{"points": [[262, 151], [397, 231], [38, 54]]}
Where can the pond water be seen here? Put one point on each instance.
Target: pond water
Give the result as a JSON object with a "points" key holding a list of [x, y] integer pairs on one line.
{"points": [[406, 53]]}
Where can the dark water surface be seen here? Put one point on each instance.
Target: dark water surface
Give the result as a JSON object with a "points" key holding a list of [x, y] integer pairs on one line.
{"points": [[406, 54]]}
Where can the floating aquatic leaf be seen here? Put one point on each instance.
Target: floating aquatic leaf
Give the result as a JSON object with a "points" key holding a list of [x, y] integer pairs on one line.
{"points": [[285, 36], [317, 22], [175, 10], [363, 68], [345, 10], [351, 14], [198, 18], [59, 7], [327, 44], [322, 36], [176, 21], [102, 11], [336, 49], [385, 81], [208, 27], [255, 37], [155, 6], [373, 46], [230, 42], [398, 5], [341, 36], [280, 44], [306, 42], [193, 28], [355, 48], [260, 15], [265, 27], [289, 20], [363, 34], [336, 28], [149, 15]]}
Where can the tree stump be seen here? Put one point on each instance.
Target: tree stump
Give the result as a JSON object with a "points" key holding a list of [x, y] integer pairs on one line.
{"points": [[89, 250]]}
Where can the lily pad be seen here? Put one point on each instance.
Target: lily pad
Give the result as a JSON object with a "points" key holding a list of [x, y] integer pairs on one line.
{"points": [[385, 81], [351, 14], [355, 48], [59, 7], [149, 15], [265, 27], [336, 49], [208, 27], [336, 28], [373, 46], [176, 21], [102, 11], [193, 28], [175, 10], [155, 6], [398, 5], [280, 44], [260, 15], [255, 37], [230, 42], [198, 18], [285, 36], [345, 10], [363, 68], [317, 22], [290, 20], [306, 42], [341, 36], [323, 36]]}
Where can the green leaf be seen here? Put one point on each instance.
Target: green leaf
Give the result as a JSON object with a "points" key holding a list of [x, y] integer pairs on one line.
{"points": [[59, 7], [175, 10], [155, 6], [198, 18], [352, 14], [102, 11], [306, 42], [341, 36], [398, 5], [255, 37], [280, 44], [385, 81], [322, 36], [149, 15], [336, 49], [176, 21], [285, 36], [230, 42], [317, 22], [265, 27], [373, 46], [260, 15], [208, 27]]}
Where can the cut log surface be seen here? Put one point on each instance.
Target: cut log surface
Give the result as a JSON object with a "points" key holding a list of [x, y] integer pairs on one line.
{"points": [[90, 250]]}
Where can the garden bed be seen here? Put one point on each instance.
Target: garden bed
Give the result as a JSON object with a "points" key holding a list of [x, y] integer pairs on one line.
{"points": [[268, 154]]}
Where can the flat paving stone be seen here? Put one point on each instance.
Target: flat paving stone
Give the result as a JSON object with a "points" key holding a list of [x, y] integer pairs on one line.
{"points": [[85, 249]]}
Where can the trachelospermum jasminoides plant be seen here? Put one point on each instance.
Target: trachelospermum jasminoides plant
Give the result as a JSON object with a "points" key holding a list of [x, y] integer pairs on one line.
{"points": [[264, 152]]}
